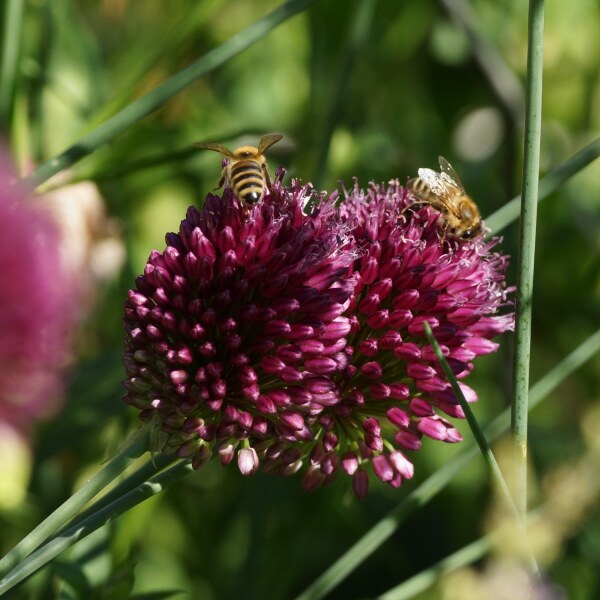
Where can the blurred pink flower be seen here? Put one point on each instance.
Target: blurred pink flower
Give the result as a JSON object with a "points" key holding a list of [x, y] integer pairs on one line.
{"points": [[35, 307]]}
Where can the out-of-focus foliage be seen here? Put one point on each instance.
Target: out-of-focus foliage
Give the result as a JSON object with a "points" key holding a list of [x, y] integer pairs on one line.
{"points": [[373, 92]]}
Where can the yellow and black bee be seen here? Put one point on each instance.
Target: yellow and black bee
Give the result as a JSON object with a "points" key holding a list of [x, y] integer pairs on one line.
{"points": [[445, 192], [246, 173]]}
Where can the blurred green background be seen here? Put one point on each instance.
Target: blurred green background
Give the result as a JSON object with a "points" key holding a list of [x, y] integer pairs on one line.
{"points": [[372, 89]]}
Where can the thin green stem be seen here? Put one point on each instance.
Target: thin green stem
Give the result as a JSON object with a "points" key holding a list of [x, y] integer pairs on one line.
{"points": [[135, 447], [13, 17], [166, 90], [480, 438], [147, 470], [59, 544], [478, 434], [504, 216], [526, 256], [385, 528]]}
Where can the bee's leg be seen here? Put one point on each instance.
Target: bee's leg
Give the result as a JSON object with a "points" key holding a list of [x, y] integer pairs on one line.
{"points": [[267, 178], [444, 229]]}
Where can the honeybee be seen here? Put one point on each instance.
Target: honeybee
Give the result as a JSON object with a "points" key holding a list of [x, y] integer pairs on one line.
{"points": [[246, 173], [445, 192]]}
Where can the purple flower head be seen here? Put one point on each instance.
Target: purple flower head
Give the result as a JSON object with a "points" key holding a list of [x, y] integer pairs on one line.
{"points": [[234, 330], [393, 391], [35, 310], [291, 341]]}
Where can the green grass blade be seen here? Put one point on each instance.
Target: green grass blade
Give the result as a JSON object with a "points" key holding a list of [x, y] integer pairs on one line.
{"points": [[13, 18], [169, 88], [136, 446], [478, 434], [480, 438], [568, 365], [504, 216], [424, 580], [382, 530], [526, 256], [150, 468], [52, 549]]}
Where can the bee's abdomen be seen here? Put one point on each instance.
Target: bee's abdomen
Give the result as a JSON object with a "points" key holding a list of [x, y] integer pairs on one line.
{"points": [[419, 188], [248, 181]]}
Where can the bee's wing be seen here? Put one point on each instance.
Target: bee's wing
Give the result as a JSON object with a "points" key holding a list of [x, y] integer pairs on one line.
{"points": [[448, 169], [437, 183], [266, 141], [215, 147]]}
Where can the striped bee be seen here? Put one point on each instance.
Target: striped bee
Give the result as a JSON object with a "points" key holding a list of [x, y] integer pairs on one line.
{"points": [[246, 172], [445, 192]]}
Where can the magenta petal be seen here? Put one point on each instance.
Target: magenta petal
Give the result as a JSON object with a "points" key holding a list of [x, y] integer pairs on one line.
{"points": [[433, 428], [382, 467], [247, 461], [401, 464], [360, 483], [398, 417], [372, 370], [408, 440], [350, 463]]}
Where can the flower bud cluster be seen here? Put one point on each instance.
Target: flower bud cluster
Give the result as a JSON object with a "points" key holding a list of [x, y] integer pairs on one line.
{"points": [[290, 335]]}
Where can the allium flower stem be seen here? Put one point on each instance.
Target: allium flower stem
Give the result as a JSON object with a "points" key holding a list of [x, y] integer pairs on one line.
{"points": [[136, 446], [526, 257], [65, 540]]}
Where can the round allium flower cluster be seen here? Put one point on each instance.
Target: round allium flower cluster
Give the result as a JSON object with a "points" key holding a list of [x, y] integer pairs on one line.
{"points": [[292, 332]]}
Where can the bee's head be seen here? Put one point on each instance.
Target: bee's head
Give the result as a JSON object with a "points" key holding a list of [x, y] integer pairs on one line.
{"points": [[472, 232]]}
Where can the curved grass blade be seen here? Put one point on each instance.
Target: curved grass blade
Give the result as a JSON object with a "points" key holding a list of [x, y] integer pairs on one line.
{"points": [[479, 436], [59, 544], [150, 468], [136, 446], [504, 216], [424, 580], [166, 90]]}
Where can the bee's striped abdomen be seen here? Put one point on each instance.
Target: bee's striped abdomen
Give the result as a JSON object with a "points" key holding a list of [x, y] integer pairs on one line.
{"points": [[419, 188], [248, 180]]}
